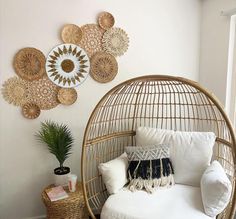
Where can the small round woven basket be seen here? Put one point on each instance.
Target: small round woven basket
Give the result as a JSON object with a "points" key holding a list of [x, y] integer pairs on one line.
{"points": [[71, 33], [106, 20], [67, 96], [104, 67], [72, 207]]}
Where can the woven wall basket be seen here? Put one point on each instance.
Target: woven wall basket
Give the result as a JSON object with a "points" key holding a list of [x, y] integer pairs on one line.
{"points": [[71, 33], [106, 20], [92, 38], [115, 41], [30, 111], [104, 67], [67, 65], [16, 91], [67, 96], [29, 64], [44, 93]]}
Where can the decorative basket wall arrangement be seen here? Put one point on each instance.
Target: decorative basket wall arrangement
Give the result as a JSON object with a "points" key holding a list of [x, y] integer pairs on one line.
{"points": [[44, 83]]}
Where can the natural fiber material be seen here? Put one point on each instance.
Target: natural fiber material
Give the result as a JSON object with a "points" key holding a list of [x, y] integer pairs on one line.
{"points": [[115, 41], [30, 111], [92, 38], [104, 67], [150, 185], [29, 64], [67, 96], [72, 207], [158, 101], [71, 33], [16, 91], [106, 20], [67, 65], [44, 93]]}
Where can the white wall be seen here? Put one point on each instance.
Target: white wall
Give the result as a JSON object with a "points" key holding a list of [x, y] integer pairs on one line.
{"points": [[164, 38], [214, 46], [231, 71]]}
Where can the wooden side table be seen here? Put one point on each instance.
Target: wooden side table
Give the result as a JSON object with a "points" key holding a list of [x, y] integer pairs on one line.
{"points": [[72, 207]]}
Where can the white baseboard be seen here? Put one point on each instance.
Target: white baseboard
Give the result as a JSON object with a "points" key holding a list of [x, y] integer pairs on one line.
{"points": [[37, 217]]}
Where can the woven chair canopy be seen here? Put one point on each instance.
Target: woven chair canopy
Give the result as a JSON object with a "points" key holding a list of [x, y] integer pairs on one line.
{"points": [[157, 101]]}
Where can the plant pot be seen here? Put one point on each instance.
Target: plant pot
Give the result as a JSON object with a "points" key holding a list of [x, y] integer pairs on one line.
{"points": [[61, 176]]}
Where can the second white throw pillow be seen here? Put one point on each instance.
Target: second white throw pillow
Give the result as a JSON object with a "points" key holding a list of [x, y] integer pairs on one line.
{"points": [[114, 173], [216, 189]]}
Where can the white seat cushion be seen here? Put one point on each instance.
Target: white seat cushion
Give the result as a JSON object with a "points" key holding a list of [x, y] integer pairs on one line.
{"points": [[178, 202]]}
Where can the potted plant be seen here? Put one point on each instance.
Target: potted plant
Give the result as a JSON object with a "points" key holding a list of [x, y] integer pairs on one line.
{"points": [[59, 141]]}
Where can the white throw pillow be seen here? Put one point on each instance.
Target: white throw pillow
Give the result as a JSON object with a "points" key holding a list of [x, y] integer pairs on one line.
{"points": [[114, 173], [190, 152], [216, 189]]}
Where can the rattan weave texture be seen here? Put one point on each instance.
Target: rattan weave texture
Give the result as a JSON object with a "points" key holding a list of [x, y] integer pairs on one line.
{"points": [[158, 101], [72, 207]]}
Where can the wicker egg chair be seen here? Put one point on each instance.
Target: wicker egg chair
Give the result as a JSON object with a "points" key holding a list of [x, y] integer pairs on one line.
{"points": [[159, 101]]}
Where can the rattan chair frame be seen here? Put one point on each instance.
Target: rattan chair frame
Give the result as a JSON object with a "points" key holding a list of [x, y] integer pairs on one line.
{"points": [[157, 101]]}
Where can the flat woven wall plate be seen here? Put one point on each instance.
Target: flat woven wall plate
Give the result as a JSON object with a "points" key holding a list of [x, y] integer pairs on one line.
{"points": [[106, 20], [67, 96], [16, 91], [30, 111], [92, 38], [71, 33], [104, 67], [29, 64], [44, 93], [115, 41], [67, 65]]}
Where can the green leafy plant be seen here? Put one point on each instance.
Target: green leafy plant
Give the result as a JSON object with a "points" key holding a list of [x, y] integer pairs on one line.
{"points": [[58, 139]]}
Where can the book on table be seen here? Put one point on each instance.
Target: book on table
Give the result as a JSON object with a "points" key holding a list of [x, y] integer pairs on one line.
{"points": [[56, 193]]}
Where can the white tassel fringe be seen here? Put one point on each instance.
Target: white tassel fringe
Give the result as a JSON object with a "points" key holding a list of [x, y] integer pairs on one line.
{"points": [[151, 185]]}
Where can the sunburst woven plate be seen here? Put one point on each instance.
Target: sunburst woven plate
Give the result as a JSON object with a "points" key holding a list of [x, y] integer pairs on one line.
{"points": [[104, 67], [71, 33], [44, 93], [67, 96], [67, 65], [30, 111], [16, 91], [92, 38], [106, 20], [29, 64], [115, 41]]}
